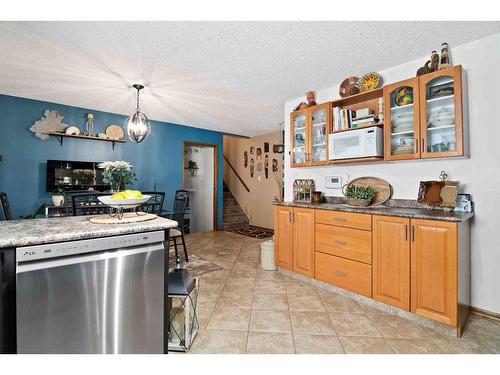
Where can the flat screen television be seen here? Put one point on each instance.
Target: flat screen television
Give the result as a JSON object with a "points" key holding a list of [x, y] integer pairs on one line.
{"points": [[74, 175]]}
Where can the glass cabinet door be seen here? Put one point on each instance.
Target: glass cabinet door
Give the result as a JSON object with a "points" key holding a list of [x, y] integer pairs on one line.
{"points": [[401, 120], [299, 137], [441, 113], [320, 126]]}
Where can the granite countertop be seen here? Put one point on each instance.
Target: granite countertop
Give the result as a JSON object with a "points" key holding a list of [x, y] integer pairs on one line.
{"points": [[410, 212], [16, 233]]}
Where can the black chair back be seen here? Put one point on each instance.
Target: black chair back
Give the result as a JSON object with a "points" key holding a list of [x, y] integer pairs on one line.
{"points": [[155, 204], [68, 203], [181, 201], [88, 204], [7, 214]]}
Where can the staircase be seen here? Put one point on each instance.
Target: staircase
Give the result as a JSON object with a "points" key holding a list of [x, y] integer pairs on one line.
{"points": [[234, 216]]}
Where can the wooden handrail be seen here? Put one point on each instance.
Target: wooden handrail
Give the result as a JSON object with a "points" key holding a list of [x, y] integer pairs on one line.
{"points": [[236, 173]]}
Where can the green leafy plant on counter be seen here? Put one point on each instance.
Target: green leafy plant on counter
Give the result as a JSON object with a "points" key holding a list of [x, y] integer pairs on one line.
{"points": [[360, 192], [118, 174]]}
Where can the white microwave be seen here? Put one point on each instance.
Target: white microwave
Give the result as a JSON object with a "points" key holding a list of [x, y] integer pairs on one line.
{"points": [[357, 143]]}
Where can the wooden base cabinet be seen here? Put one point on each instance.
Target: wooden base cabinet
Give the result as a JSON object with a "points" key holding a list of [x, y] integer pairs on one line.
{"points": [[391, 261], [294, 239]]}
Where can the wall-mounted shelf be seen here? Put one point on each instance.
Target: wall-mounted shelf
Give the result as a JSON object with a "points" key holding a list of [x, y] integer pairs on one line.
{"points": [[369, 159], [61, 137]]}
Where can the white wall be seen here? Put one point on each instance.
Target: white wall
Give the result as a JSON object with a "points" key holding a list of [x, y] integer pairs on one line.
{"points": [[202, 185], [479, 175]]}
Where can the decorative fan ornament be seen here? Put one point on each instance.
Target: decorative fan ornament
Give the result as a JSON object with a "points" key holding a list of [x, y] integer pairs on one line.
{"points": [[49, 123]]}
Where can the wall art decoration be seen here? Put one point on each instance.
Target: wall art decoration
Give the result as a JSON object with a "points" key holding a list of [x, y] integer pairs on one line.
{"points": [[279, 148], [252, 150], [245, 159], [50, 122], [259, 166], [266, 166], [266, 146], [259, 153], [275, 165], [252, 167]]}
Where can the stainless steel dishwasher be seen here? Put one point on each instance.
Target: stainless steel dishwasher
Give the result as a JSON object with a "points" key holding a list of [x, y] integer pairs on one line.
{"points": [[102, 295]]}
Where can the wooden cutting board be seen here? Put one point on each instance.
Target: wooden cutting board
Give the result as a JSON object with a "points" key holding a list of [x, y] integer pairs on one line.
{"points": [[383, 190]]}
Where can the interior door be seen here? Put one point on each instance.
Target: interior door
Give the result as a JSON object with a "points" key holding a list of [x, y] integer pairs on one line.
{"points": [[434, 270], [391, 261], [441, 113], [401, 118], [283, 236], [303, 241], [299, 134]]}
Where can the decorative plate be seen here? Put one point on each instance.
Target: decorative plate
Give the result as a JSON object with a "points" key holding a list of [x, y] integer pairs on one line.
{"points": [[404, 96], [114, 132], [369, 82], [348, 87], [383, 190], [72, 130]]}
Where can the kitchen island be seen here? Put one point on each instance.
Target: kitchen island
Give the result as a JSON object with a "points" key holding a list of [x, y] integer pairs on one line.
{"points": [[404, 258], [71, 286]]}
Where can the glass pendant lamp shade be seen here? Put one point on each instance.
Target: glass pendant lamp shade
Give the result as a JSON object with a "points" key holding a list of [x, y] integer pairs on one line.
{"points": [[137, 125]]}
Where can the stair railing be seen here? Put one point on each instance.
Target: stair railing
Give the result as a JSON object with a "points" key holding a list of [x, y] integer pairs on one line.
{"points": [[237, 175]]}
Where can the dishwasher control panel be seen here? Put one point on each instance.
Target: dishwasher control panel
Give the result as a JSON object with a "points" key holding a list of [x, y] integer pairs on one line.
{"points": [[60, 249]]}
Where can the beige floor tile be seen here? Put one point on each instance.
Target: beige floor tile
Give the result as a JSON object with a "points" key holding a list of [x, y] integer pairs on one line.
{"points": [[414, 346], [222, 342], [337, 303], [481, 327], [368, 309], [493, 344], [365, 345], [229, 319], [351, 324], [462, 346], [269, 275], [209, 296], [305, 302], [299, 287], [243, 273], [270, 321], [235, 299], [215, 275], [270, 301], [270, 343], [270, 286], [395, 327], [308, 322], [317, 344], [215, 285]]}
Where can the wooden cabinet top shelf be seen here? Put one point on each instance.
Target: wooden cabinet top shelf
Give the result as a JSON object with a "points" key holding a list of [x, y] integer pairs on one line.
{"points": [[357, 98]]}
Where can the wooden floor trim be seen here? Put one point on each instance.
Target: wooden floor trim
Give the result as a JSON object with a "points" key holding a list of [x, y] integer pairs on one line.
{"points": [[486, 313]]}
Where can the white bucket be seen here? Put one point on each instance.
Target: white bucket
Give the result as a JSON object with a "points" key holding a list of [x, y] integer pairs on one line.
{"points": [[267, 255]]}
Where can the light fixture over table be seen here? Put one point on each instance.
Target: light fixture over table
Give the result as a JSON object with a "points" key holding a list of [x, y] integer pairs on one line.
{"points": [[137, 125]]}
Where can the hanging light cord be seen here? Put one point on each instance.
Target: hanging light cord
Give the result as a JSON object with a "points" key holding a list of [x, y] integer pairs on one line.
{"points": [[138, 92]]}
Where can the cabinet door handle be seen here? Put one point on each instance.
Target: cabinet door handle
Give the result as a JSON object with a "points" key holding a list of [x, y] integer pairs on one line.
{"points": [[293, 217], [290, 217], [341, 273], [416, 146], [340, 242], [406, 232], [412, 234], [423, 145]]}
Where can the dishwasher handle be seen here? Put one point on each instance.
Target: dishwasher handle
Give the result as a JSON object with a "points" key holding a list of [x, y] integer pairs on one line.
{"points": [[84, 258]]}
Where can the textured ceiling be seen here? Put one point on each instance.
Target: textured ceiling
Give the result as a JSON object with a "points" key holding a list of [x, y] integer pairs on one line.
{"points": [[228, 76]]}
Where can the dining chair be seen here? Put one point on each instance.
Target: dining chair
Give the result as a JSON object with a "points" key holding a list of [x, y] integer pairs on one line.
{"points": [[88, 204], [7, 214], [155, 204], [68, 201], [179, 210]]}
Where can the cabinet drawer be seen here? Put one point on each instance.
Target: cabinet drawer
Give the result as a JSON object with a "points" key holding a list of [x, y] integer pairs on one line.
{"points": [[348, 243], [344, 273], [344, 219]]}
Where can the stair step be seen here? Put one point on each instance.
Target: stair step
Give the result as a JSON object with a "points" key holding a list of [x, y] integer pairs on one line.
{"points": [[235, 225]]}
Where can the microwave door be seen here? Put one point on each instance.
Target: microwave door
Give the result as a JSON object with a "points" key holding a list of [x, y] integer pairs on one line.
{"points": [[347, 146]]}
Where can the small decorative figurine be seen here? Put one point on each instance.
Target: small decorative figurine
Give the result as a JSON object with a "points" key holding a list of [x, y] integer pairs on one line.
{"points": [[445, 61], [424, 69], [434, 61]]}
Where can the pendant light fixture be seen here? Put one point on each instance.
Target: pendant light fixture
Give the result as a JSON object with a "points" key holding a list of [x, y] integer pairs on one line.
{"points": [[137, 125]]}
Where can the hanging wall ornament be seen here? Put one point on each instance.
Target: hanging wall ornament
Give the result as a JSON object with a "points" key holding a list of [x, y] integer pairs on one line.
{"points": [[275, 165], [259, 166], [252, 167], [278, 149], [266, 146], [51, 122], [259, 153], [245, 159], [252, 150], [266, 166]]}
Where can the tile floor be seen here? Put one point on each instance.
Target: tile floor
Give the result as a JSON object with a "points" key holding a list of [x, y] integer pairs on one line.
{"points": [[244, 309]]}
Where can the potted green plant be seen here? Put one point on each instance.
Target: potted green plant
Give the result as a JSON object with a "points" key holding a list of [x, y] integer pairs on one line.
{"points": [[358, 195], [118, 174]]}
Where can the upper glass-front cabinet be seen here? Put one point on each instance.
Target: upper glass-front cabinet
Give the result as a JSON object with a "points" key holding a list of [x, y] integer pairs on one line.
{"points": [[441, 113], [309, 135], [401, 117]]}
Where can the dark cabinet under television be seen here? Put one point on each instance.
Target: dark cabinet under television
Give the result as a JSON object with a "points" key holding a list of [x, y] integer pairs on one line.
{"points": [[74, 175]]}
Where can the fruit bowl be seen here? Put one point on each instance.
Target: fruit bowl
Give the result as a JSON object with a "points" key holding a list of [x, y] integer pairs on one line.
{"points": [[126, 203]]}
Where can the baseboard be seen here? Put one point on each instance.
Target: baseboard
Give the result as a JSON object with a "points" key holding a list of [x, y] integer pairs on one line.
{"points": [[486, 313]]}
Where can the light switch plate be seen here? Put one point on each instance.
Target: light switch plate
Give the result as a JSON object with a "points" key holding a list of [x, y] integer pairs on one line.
{"points": [[333, 182]]}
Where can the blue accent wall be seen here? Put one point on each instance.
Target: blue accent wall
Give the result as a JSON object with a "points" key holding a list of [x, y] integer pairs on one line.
{"points": [[157, 160]]}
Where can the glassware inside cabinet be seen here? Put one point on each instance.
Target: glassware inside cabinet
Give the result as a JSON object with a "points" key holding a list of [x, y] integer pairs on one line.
{"points": [[299, 139], [319, 135], [440, 113], [402, 121]]}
